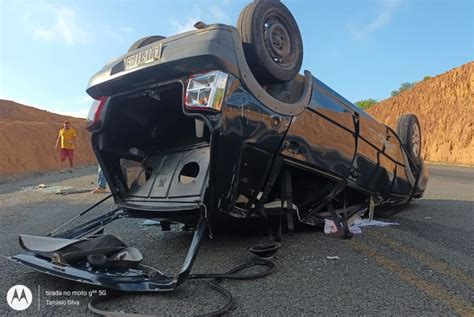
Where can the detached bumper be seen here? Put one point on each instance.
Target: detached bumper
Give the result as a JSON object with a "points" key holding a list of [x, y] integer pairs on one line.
{"points": [[138, 278], [130, 280]]}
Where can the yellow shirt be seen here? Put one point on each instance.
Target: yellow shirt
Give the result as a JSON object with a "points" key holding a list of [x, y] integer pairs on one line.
{"points": [[66, 137]]}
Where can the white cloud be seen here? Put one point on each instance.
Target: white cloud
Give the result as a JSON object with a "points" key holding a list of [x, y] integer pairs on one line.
{"points": [[213, 14], [185, 26], [75, 107], [115, 33], [66, 27], [63, 24], [79, 113], [384, 17], [43, 34], [86, 100], [219, 14]]}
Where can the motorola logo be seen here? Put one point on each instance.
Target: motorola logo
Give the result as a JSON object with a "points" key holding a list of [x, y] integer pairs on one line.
{"points": [[19, 297]]}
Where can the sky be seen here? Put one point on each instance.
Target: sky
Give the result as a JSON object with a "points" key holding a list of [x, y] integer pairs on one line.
{"points": [[360, 48]]}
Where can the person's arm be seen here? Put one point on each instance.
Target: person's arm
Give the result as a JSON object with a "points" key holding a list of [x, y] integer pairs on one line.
{"points": [[73, 139], [57, 141]]}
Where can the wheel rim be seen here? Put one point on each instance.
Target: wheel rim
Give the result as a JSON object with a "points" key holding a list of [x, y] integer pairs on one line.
{"points": [[416, 140], [278, 40]]}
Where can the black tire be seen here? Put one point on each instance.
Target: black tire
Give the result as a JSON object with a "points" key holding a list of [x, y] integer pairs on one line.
{"points": [[276, 58], [144, 41], [409, 132]]}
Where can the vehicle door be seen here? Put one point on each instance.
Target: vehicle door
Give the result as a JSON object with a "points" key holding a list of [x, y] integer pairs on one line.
{"points": [[323, 135]]}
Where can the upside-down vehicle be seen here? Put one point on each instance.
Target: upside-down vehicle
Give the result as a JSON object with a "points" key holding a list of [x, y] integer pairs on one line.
{"points": [[218, 122]]}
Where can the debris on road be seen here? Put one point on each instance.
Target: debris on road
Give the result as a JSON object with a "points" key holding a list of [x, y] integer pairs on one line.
{"points": [[367, 223], [330, 227], [356, 224], [46, 189], [149, 222], [333, 257], [58, 190]]}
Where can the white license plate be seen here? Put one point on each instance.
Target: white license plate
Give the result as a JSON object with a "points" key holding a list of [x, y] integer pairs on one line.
{"points": [[144, 57]]}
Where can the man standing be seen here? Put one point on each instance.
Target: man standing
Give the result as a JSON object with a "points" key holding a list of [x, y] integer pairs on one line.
{"points": [[65, 143], [101, 183]]}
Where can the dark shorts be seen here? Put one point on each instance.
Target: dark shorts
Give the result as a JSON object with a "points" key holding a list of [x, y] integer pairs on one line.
{"points": [[66, 153]]}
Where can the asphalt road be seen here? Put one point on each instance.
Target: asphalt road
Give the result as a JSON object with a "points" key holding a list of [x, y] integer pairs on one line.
{"points": [[423, 267]]}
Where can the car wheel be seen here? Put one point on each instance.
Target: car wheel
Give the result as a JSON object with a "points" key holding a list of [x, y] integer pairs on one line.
{"points": [[271, 40], [144, 41], [409, 132]]}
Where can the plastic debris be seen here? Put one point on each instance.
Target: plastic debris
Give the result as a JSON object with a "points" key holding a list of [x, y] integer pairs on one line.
{"points": [[333, 257], [356, 224], [149, 222], [330, 227], [48, 189], [368, 222]]}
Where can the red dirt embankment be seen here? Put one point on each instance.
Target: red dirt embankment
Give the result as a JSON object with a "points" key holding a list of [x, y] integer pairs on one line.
{"points": [[445, 107], [28, 136]]}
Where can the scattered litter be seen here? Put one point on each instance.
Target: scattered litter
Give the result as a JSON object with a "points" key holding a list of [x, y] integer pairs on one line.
{"points": [[368, 222], [354, 229], [330, 227], [58, 190], [356, 224], [72, 191], [150, 223], [46, 189], [333, 257]]}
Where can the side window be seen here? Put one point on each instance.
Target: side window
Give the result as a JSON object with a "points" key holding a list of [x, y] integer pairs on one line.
{"points": [[326, 103]]}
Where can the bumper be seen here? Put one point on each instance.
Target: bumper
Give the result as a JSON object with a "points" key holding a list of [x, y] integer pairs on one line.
{"points": [[137, 278]]}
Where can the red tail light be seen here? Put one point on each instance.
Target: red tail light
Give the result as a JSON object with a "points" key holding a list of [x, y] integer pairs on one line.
{"points": [[94, 116]]}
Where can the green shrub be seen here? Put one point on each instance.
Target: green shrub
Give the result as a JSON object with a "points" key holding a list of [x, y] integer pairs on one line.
{"points": [[403, 87], [366, 104]]}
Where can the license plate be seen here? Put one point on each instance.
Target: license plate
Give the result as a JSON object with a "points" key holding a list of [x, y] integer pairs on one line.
{"points": [[144, 57]]}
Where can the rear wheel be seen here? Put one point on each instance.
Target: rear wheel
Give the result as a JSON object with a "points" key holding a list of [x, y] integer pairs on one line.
{"points": [[271, 40], [144, 41], [409, 132]]}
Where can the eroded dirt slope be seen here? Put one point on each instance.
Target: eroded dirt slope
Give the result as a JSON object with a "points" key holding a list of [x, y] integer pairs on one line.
{"points": [[445, 107], [28, 136]]}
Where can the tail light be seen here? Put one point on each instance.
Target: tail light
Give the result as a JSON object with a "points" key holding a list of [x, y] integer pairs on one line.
{"points": [[206, 91], [94, 116]]}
